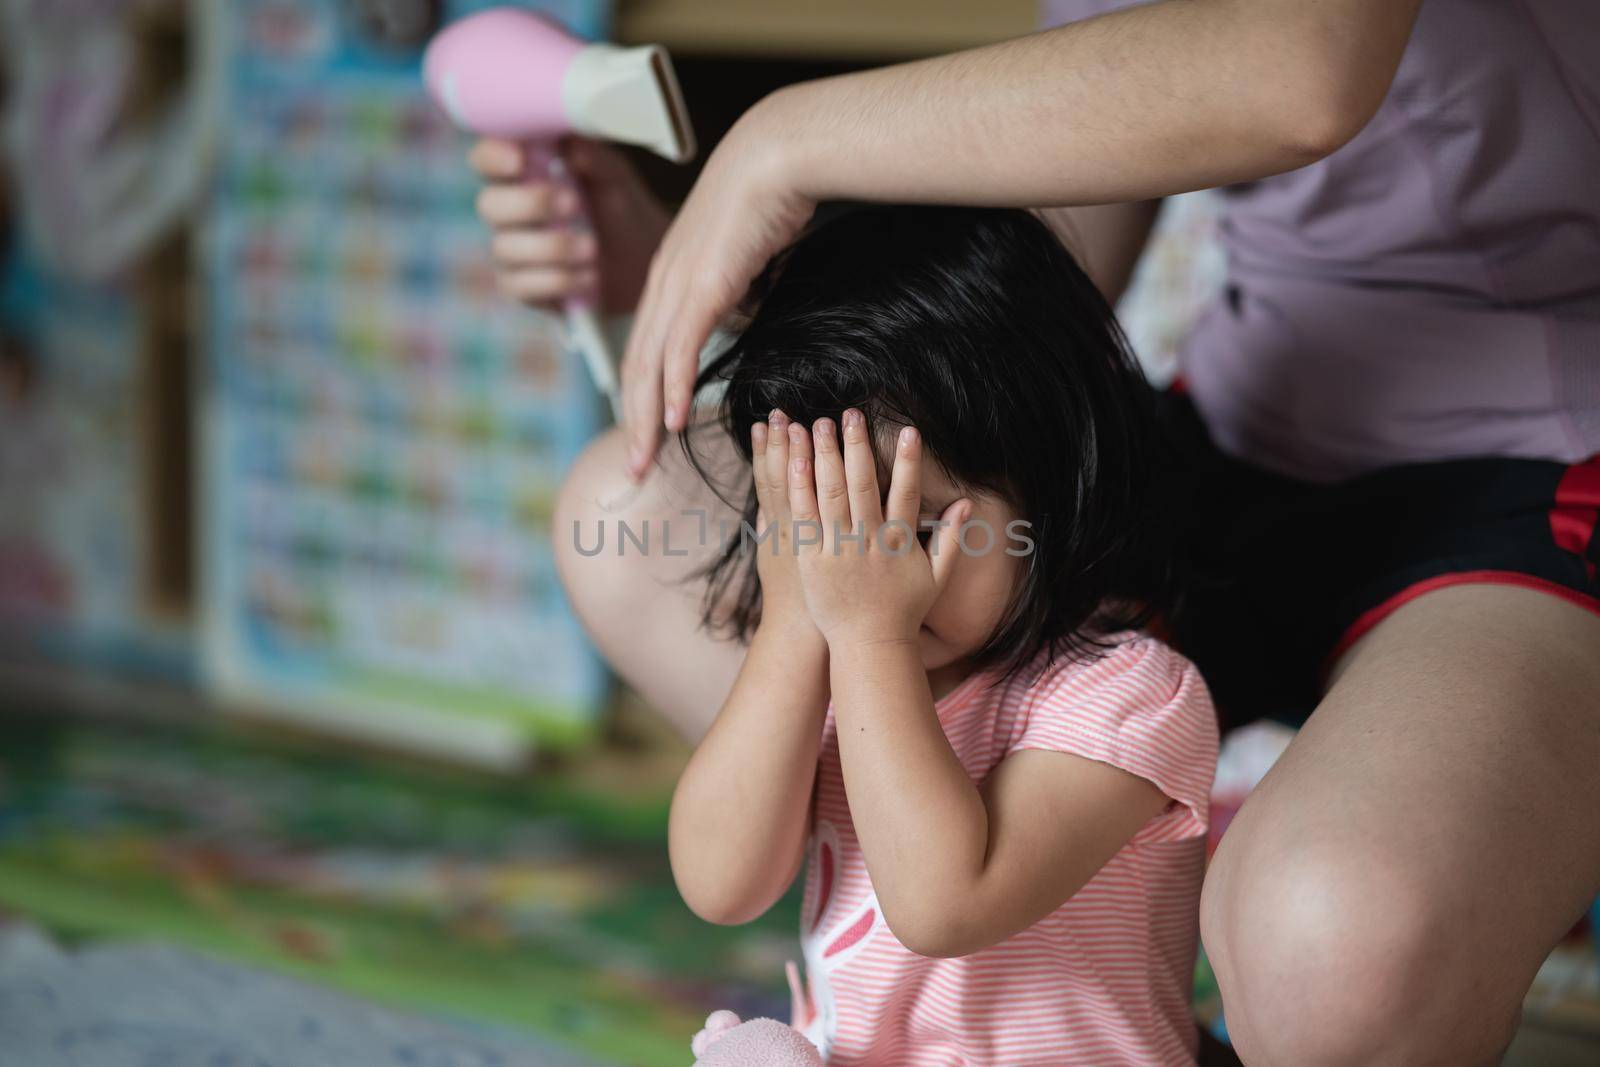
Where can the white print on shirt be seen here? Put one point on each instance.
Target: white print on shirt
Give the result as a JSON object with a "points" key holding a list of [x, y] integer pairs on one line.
{"points": [[815, 1011]]}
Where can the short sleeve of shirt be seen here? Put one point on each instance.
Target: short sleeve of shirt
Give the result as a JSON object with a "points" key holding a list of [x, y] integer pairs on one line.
{"points": [[1060, 12], [1143, 708]]}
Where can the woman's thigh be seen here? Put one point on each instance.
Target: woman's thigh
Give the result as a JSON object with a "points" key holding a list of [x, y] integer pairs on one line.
{"points": [[1388, 892], [639, 596]]}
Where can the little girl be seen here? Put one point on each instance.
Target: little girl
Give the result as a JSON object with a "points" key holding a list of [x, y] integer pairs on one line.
{"points": [[949, 710]]}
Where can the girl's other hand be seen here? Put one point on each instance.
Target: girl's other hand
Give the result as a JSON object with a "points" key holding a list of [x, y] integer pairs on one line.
{"points": [[865, 575], [783, 605], [542, 252], [743, 209]]}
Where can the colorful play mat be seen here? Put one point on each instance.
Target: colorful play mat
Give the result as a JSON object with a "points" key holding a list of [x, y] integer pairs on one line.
{"points": [[544, 903]]}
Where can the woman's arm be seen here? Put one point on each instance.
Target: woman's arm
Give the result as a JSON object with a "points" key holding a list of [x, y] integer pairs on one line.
{"points": [[741, 811], [1107, 240], [1150, 100], [1141, 103]]}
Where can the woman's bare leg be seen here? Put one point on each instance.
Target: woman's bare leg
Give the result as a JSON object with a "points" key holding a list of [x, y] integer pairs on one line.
{"points": [[642, 606], [1387, 894]]}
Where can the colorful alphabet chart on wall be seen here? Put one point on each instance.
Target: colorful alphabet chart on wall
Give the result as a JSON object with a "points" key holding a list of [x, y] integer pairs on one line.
{"points": [[385, 432]]}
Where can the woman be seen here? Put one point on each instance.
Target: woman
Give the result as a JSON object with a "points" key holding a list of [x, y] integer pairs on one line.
{"points": [[1400, 392]]}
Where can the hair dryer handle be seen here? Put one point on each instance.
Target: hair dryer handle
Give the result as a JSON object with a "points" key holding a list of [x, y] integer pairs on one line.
{"points": [[542, 161]]}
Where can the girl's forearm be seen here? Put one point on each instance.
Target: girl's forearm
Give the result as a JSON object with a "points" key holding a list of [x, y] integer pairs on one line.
{"points": [[739, 817], [1152, 100], [922, 824]]}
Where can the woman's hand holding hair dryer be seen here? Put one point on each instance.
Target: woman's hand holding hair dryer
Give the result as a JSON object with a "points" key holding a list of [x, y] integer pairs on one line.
{"points": [[540, 257]]}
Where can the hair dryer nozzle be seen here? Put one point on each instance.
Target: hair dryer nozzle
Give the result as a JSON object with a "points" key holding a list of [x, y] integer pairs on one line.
{"points": [[507, 72], [629, 95]]}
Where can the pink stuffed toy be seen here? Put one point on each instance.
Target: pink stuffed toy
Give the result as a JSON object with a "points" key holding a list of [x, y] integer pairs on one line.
{"points": [[727, 1042]]}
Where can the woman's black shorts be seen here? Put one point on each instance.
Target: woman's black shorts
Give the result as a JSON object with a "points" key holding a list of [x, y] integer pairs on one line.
{"points": [[1287, 574]]}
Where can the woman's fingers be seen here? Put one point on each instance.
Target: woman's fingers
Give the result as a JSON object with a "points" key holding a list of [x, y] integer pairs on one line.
{"points": [[833, 492], [538, 258], [861, 471], [641, 402], [803, 490], [514, 204], [544, 247], [680, 358], [543, 285], [905, 482], [496, 160], [641, 405], [664, 346], [641, 379], [945, 547]]}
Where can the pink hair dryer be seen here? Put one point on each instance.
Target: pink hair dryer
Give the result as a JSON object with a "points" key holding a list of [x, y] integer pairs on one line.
{"points": [[510, 73]]}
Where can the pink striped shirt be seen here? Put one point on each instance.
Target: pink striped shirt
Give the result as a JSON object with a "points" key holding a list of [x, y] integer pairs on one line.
{"points": [[1104, 979]]}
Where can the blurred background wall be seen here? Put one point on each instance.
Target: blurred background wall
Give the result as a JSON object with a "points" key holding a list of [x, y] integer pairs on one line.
{"points": [[270, 434]]}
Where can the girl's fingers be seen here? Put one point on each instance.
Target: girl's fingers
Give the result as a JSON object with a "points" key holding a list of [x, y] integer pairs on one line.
{"points": [[833, 499], [803, 489], [861, 471], [758, 467], [905, 482], [777, 461], [946, 544]]}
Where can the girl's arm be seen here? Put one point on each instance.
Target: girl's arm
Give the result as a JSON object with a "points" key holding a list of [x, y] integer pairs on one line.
{"points": [[1151, 100], [956, 869], [741, 812]]}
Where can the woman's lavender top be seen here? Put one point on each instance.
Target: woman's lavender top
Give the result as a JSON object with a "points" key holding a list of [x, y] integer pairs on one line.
{"points": [[1432, 289]]}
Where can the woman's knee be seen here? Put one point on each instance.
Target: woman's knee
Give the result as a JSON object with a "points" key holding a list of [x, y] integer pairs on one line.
{"points": [[611, 533], [630, 554], [595, 494], [1332, 956], [639, 597]]}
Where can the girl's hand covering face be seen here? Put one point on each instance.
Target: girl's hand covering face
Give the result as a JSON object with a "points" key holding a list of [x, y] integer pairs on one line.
{"points": [[864, 572]]}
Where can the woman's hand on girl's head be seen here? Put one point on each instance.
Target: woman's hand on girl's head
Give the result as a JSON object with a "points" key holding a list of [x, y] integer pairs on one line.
{"points": [[864, 571], [542, 255], [742, 211]]}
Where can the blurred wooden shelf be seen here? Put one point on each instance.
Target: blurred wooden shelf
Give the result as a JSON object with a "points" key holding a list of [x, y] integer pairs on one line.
{"points": [[823, 29]]}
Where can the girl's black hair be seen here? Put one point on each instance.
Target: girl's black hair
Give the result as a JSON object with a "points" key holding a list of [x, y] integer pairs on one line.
{"points": [[976, 326]]}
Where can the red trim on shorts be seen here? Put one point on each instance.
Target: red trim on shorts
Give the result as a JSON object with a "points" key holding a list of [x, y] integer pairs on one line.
{"points": [[1177, 387], [1577, 507], [1378, 612]]}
